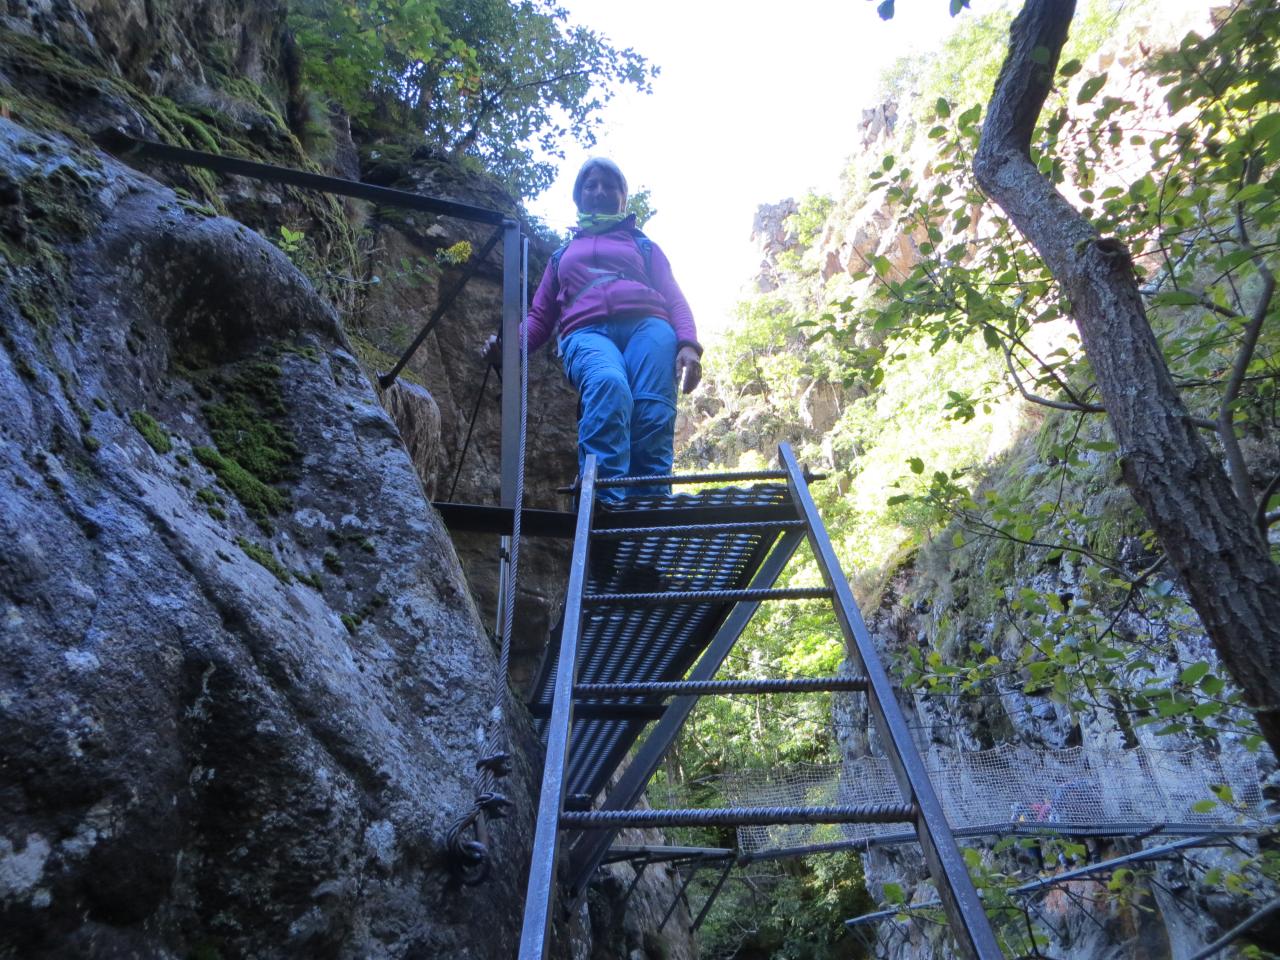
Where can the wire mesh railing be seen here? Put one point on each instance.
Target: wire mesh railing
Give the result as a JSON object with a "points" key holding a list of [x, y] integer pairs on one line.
{"points": [[1076, 791]]}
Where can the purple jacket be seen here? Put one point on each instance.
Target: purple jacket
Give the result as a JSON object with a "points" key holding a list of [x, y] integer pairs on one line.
{"points": [[603, 275]]}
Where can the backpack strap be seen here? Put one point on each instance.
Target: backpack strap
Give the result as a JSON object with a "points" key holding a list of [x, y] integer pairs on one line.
{"points": [[643, 244], [555, 263]]}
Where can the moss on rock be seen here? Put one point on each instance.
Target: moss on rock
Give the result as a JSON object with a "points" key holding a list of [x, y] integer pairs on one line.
{"points": [[151, 431], [264, 557]]}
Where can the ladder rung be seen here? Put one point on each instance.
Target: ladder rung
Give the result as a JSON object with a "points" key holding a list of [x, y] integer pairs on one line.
{"points": [[695, 529], [724, 476], [686, 516], [701, 596], [604, 711], [741, 816], [680, 688]]}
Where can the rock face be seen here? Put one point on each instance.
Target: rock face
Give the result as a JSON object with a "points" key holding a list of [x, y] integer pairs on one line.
{"points": [[233, 715], [772, 237]]}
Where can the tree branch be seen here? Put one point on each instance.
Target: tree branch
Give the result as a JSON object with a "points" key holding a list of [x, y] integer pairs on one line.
{"points": [[1226, 415], [1045, 401], [1263, 519]]}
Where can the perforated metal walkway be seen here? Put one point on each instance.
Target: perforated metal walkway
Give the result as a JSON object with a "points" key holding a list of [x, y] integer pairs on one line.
{"points": [[656, 547]]}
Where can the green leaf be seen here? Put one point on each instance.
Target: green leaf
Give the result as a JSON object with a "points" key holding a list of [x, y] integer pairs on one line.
{"points": [[885, 9], [1175, 298], [1070, 68], [1040, 55], [1204, 806], [916, 464], [942, 107], [1193, 673], [893, 892], [1089, 89]]}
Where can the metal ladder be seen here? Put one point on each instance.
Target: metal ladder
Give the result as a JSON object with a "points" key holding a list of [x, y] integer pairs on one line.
{"points": [[595, 829]]}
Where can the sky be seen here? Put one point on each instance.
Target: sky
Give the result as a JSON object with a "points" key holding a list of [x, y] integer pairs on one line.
{"points": [[756, 102]]}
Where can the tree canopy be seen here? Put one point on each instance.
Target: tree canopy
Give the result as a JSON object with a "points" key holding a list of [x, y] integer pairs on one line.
{"points": [[508, 83]]}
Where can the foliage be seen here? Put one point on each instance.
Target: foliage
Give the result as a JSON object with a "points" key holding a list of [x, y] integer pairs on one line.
{"points": [[500, 81], [790, 918], [641, 204], [1202, 222], [803, 227], [155, 435]]}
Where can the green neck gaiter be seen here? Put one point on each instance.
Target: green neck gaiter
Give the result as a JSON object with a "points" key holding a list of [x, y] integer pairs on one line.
{"points": [[599, 222]]}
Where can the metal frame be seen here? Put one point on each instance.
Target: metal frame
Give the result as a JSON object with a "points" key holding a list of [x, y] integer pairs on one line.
{"points": [[589, 850], [120, 143], [969, 924], [711, 898], [535, 934]]}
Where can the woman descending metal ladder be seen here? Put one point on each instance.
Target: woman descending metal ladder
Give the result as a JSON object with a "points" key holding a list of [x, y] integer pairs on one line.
{"points": [[659, 591]]}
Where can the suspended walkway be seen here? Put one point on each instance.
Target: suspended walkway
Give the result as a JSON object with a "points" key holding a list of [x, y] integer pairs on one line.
{"points": [[658, 594]]}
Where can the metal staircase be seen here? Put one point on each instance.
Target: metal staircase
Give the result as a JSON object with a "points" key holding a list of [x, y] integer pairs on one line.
{"points": [[658, 594]]}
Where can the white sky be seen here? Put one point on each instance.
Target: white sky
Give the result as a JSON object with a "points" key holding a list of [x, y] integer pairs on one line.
{"points": [[758, 100]]}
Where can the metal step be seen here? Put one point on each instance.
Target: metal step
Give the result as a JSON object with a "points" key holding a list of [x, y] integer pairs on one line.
{"points": [[741, 816], [698, 688], [692, 530], [605, 711], [726, 476], [707, 596]]}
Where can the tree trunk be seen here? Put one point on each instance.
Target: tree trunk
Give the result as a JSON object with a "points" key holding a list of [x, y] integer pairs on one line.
{"points": [[1210, 537]]}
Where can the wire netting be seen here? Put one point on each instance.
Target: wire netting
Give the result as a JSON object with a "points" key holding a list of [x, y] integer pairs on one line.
{"points": [[1076, 791]]}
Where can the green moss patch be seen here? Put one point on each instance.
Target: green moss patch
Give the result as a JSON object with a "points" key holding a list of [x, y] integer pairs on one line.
{"points": [[151, 431], [261, 555], [374, 360], [245, 425], [259, 499], [253, 449]]}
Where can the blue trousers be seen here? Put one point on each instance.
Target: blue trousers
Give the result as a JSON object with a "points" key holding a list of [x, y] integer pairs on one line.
{"points": [[624, 372]]}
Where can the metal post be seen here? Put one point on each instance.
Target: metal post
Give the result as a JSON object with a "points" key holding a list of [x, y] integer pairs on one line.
{"points": [[675, 901], [535, 935], [511, 318], [715, 892], [511, 310], [590, 849], [969, 924]]}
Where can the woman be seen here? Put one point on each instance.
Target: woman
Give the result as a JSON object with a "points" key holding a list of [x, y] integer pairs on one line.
{"points": [[626, 333]]}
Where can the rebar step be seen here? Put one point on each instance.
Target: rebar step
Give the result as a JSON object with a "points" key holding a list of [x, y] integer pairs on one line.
{"points": [[707, 596], [724, 476], [699, 688], [741, 816], [692, 530]]}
